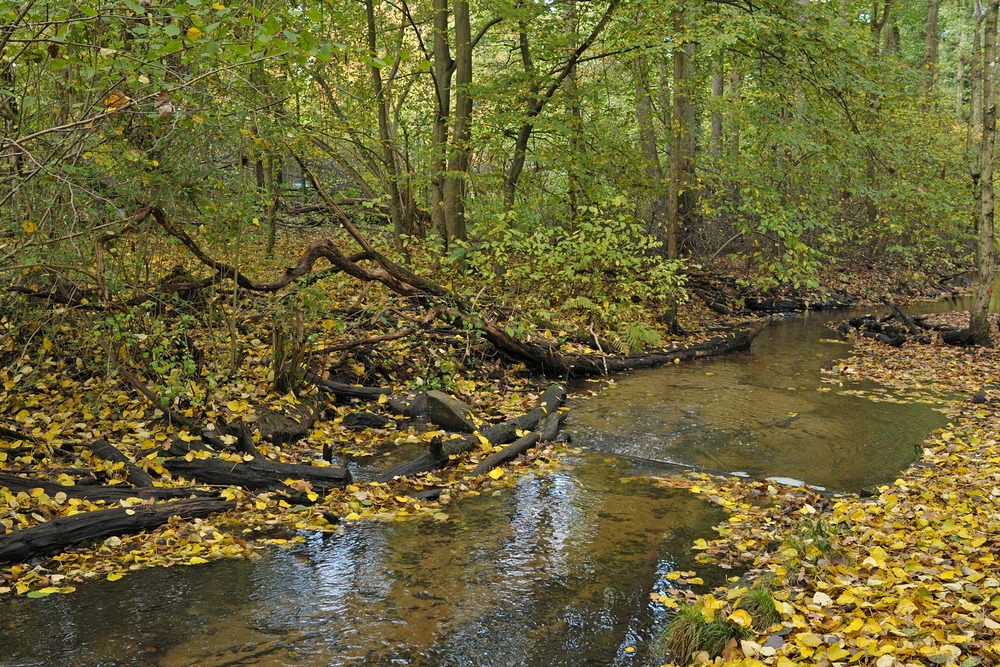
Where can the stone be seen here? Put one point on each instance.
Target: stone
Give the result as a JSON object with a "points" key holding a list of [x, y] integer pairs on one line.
{"points": [[413, 406], [281, 429], [449, 413], [358, 421]]}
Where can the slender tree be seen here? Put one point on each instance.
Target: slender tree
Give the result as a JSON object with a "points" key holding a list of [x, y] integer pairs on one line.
{"points": [[979, 327]]}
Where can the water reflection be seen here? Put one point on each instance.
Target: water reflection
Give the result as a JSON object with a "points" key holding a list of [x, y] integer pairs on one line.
{"points": [[555, 571], [761, 412]]}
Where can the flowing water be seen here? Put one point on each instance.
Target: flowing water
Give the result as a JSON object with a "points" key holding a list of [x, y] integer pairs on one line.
{"points": [[554, 571]]}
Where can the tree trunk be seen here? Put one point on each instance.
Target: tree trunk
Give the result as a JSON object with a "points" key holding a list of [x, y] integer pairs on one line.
{"points": [[400, 226], [930, 63], [718, 90], [459, 148], [539, 98], [682, 196], [442, 68], [54, 536], [979, 326], [658, 204], [270, 203]]}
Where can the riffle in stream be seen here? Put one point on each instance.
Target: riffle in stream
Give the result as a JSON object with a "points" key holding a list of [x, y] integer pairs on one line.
{"points": [[554, 571]]}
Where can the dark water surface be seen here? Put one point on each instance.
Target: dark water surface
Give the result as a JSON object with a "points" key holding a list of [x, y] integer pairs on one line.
{"points": [[554, 571]]}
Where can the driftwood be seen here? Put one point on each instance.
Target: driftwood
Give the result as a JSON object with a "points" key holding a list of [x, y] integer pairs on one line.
{"points": [[914, 329], [348, 391], [500, 434], [256, 474], [548, 432], [95, 492], [58, 534], [136, 476]]}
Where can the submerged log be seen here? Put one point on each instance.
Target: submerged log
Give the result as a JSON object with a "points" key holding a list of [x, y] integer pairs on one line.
{"points": [[54, 536], [257, 475]]}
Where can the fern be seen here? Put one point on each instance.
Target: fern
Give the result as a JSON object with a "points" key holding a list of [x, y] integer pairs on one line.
{"points": [[639, 335], [580, 302]]}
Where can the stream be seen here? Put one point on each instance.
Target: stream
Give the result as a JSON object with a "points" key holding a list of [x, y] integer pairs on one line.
{"points": [[556, 570]]}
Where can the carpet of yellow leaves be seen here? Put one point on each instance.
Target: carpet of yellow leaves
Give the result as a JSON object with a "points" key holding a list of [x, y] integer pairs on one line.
{"points": [[907, 576]]}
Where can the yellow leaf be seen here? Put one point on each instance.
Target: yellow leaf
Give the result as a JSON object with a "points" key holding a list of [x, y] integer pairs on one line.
{"points": [[741, 618], [855, 627], [808, 639], [837, 652], [197, 560], [218, 6], [115, 576], [29, 226], [496, 473], [193, 33], [353, 516]]}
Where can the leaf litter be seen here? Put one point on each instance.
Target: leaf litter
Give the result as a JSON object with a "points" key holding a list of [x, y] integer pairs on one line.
{"points": [[907, 576]]}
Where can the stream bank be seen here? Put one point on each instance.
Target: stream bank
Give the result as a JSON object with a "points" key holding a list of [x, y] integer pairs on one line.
{"points": [[554, 570]]}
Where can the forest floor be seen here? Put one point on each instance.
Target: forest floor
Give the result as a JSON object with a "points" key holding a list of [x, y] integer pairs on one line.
{"points": [[907, 576]]}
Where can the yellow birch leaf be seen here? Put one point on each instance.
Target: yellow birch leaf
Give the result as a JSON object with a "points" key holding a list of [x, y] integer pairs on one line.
{"points": [[496, 473]]}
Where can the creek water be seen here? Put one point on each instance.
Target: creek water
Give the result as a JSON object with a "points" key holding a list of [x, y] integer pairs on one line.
{"points": [[556, 570]]}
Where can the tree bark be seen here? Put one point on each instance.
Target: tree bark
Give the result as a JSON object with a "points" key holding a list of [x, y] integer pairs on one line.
{"points": [[548, 404], [255, 474], [539, 98], [460, 146], [95, 492], [648, 144], [54, 536], [442, 69], [930, 63], [979, 327], [682, 197], [718, 91], [400, 226]]}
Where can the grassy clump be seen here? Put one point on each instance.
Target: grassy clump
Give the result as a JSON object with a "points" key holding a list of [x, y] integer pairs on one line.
{"points": [[688, 633], [759, 603]]}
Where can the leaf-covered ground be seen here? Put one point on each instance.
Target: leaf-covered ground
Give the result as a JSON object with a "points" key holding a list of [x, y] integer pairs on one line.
{"points": [[907, 576]]}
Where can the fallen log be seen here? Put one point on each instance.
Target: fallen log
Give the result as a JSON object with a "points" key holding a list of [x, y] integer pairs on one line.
{"points": [[341, 390], [105, 451], [54, 536], [583, 365], [911, 326], [256, 475], [499, 434], [547, 432], [94, 492]]}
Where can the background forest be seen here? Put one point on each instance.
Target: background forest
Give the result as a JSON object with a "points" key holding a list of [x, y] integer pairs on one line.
{"points": [[557, 161]]}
